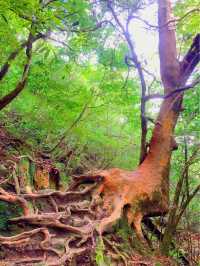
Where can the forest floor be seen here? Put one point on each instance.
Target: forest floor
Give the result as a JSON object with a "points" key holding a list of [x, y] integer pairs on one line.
{"points": [[59, 228]]}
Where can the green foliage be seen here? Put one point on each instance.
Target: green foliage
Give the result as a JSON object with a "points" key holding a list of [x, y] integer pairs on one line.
{"points": [[191, 22], [100, 258], [84, 72], [7, 211], [187, 27], [64, 78], [55, 96], [176, 254], [124, 230], [158, 264]]}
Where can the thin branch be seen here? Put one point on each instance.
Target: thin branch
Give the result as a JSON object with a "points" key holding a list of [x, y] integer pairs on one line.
{"points": [[187, 169], [174, 218], [109, 3], [150, 119], [48, 3], [186, 203], [60, 42], [4, 69], [180, 182], [127, 60], [178, 20], [23, 16], [4, 101], [179, 90], [21, 235], [96, 27], [184, 16], [137, 64], [71, 127], [126, 80]]}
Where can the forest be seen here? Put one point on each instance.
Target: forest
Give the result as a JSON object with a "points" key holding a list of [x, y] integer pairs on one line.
{"points": [[99, 132]]}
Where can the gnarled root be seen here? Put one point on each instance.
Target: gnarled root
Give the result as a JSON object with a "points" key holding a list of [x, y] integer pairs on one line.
{"points": [[12, 198], [63, 225], [59, 228]]}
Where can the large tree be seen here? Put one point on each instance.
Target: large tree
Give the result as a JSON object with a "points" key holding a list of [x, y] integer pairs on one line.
{"points": [[141, 193], [145, 191]]}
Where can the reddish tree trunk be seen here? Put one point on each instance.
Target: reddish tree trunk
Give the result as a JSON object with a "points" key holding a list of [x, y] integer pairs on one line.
{"points": [[145, 191]]}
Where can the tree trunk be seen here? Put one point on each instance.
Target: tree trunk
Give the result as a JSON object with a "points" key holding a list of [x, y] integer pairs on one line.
{"points": [[145, 191], [4, 69], [5, 100]]}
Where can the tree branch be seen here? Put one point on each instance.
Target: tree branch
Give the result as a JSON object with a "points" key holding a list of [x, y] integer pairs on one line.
{"points": [[191, 59], [4, 101], [4, 69], [71, 127], [171, 21], [96, 27], [169, 65], [186, 203], [137, 64], [179, 90]]}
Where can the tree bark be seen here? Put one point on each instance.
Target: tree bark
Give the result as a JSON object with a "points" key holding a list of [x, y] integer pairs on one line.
{"points": [[4, 101], [4, 69], [20, 86], [145, 191], [174, 75]]}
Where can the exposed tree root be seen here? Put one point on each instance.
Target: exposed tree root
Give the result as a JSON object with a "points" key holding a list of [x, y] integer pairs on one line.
{"points": [[117, 253], [57, 227], [24, 235], [5, 196]]}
